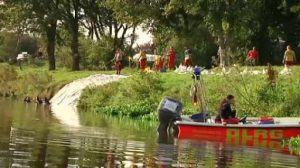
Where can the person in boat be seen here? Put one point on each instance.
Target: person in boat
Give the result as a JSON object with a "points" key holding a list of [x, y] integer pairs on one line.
{"points": [[187, 57], [172, 58], [143, 60], [118, 61], [227, 114], [289, 57]]}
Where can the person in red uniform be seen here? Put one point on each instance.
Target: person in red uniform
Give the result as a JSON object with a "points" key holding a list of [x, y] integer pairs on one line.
{"points": [[118, 61], [143, 60], [172, 58], [253, 56], [187, 57]]}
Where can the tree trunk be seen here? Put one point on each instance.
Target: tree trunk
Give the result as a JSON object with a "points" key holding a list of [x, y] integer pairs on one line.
{"points": [[74, 48], [132, 39], [125, 28], [51, 40], [74, 27], [222, 51]]}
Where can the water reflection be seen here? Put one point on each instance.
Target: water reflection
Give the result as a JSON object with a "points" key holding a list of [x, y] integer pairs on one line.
{"points": [[31, 137]]}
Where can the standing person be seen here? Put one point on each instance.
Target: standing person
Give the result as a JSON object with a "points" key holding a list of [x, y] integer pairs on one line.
{"points": [[163, 63], [143, 60], [214, 62], [118, 61], [289, 57], [158, 63], [172, 58], [187, 57], [253, 56]]}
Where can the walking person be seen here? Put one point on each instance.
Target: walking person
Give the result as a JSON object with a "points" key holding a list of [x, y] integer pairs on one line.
{"points": [[118, 61], [187, 57], [143, 60], [289, 57], [172, 58]]}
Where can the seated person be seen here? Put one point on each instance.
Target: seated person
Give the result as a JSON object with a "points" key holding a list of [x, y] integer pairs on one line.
{"points": [[227, 114]]}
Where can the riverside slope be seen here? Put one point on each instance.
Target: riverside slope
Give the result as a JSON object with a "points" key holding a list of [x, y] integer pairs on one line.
{"points": [[64, 103]]}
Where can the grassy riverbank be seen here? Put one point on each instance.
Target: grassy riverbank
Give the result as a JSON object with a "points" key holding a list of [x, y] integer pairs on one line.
{"points": [[35, 80], [139, 95]]}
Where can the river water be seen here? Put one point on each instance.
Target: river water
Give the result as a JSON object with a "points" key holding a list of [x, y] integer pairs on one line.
{"points": [[30, 136]]}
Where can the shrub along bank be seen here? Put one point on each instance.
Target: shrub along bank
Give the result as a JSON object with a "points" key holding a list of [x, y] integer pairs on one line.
{"points": [[139, 95], [34, 80]]}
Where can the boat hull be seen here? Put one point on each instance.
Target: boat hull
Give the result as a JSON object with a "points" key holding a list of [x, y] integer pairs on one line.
{"points": [[253, 135]]}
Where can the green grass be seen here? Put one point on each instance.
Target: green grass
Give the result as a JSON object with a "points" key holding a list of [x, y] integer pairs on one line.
{"points": [[143, 91], [254, 96], [35, 80]]}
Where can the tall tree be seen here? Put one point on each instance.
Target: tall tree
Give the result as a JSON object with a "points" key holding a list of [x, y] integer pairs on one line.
{"points": [[46, 14], [38, 16], [71, 11]]}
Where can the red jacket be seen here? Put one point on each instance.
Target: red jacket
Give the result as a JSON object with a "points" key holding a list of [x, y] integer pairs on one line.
{"points": [[253, 55]]}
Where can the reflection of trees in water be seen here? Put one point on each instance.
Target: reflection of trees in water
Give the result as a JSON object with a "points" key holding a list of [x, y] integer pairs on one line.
{"points": [[5, 129], [42, 113], [224, 156]]}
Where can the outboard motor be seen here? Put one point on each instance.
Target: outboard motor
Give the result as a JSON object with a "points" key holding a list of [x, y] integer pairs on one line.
{"points": [[169, 111]]}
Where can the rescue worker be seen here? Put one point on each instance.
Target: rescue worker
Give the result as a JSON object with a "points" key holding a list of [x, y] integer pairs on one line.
{"points": [[118, 61], [143, 60], [172, 58]]}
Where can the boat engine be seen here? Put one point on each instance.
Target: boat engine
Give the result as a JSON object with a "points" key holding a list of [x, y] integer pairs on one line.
{"points": [[169, 111]]}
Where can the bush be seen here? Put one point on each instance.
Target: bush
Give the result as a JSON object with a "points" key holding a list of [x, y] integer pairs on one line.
{"points": [[97, 54], [137, 96], [64, 57], [253, 94], [34, 82], [132, 110], [8, 79]]}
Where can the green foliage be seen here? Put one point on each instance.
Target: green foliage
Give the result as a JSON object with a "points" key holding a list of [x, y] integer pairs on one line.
{"points": [[13, 84], [133, 110], [253, 94], [293, 144], [97, 54], [9, 46], [137, 96], [64, 57], [33, 80], [140, 86], [202, 25], [8, 76]]}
